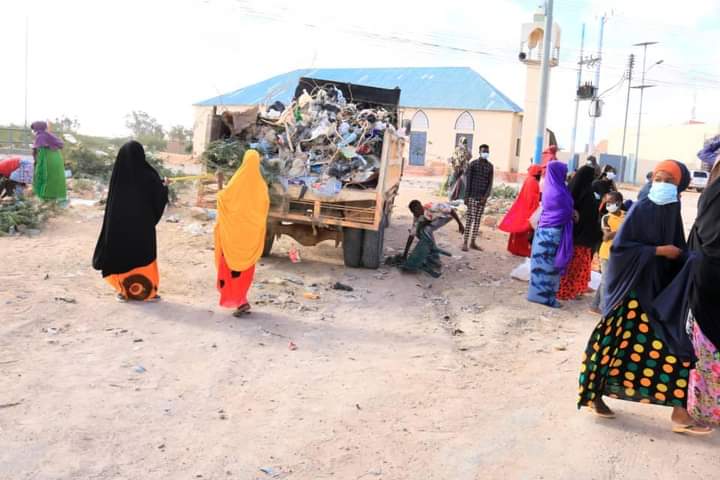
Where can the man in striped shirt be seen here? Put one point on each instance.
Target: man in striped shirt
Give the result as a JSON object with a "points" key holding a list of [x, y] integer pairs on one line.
{"points": [[479, 187]]}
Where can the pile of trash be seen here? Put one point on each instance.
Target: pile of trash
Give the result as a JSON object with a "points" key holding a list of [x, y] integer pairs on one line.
{"points": [[320, 140]]}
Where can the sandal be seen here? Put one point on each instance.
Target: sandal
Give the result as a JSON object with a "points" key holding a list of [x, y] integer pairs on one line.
{"points": [[242, 310], [692, 429], [607, 415]]}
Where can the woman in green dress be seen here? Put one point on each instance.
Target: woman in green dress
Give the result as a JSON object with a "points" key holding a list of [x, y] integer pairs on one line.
{"points": [[49, 178]]}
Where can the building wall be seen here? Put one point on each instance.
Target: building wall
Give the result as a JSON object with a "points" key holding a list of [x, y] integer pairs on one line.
{"points": [[500, 130], [678, 142]]}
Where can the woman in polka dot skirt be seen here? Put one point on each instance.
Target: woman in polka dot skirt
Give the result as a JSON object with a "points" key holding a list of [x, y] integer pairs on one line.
{"points": [[630, 355]]}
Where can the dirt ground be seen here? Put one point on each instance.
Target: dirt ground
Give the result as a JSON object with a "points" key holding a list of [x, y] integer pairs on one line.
{"points": [[406, 377]]}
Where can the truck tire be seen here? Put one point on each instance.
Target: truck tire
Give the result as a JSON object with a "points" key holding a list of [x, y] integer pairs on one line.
{"points": [[269, 240], [353, 247], [372, 253]]}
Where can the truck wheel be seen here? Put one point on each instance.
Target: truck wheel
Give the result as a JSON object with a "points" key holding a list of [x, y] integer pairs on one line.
{"points": [[353, 247], [269, 240], [372, 254]]}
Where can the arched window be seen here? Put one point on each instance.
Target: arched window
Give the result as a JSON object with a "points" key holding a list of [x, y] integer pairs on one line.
{"points": [[465, 123], [420, 121]]}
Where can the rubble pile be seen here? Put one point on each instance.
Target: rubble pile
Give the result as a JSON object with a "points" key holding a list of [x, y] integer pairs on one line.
{"points": [[320, 140]]}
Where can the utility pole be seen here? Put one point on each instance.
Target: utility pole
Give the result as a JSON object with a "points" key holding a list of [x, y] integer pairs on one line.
{"points": [[642, 88], [544, 80], [603, 20], [27, 35], [577, 100], [631, 65]]}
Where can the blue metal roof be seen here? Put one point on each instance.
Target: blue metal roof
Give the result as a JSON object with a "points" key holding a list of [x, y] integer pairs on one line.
{"points": [[443, 87]]}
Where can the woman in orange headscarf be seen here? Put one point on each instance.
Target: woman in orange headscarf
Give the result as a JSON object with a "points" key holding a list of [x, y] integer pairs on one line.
{"points": [[240, 232], [517, 220]]}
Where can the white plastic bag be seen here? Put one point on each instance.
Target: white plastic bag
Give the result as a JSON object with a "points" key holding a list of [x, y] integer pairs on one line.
{"points": [[522, 271], [535, 218], [595, 278]]}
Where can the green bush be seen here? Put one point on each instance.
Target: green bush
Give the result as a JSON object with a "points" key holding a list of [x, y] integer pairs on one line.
{"points": [[504, 191]]}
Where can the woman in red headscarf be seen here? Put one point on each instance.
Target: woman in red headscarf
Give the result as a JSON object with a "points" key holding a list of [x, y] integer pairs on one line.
{"points": [[517, 220]]}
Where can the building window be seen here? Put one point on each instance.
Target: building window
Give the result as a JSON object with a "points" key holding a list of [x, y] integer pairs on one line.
{"points": [[517, 147], [420, 121], [465, 122]]}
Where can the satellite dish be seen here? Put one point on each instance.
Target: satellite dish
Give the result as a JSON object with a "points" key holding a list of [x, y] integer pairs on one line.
{"points": [[70, 138]]}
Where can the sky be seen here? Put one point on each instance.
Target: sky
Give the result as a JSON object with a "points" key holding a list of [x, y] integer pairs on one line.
{"points": [[98, 60]]}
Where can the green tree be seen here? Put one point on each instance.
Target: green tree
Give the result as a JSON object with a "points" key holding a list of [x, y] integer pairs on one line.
{"points": [[66, 125], [180, 133], [146, 130]]}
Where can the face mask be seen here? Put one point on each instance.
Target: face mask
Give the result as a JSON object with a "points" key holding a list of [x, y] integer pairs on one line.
{"points": [[610, 176], [612, 208], [485, 155], [597, 195], [663, 193]]}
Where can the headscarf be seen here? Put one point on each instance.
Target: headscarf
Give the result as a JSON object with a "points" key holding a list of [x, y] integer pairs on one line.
{"points": [[586, 232], [242, 216], [557, 210], [634, 265], [705, 279], [710, 151], [9, 165], [549, 154], [517, 219], [136, 201], [669, 166], [43, 138]]}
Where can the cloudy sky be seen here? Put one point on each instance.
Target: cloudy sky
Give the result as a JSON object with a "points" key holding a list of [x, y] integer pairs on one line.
{"points": [[98, 60]]}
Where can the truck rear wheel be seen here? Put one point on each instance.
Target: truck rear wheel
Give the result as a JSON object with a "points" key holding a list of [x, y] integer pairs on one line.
{"points": [[372, 253], [353, 247], [269, 240]]}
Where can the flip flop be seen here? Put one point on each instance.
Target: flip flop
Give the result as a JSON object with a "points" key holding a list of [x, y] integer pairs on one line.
{"points": [[690, 429], [595, 412], [242, 310]]}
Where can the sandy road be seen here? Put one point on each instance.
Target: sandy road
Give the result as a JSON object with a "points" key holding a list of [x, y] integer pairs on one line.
{"points": [[404, 378]]}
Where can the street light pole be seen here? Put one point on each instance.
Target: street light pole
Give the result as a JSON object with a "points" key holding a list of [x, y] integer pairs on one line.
{"points": [[631, 65], [642, 88], [593, 121], [544, 81], [577, 100]]}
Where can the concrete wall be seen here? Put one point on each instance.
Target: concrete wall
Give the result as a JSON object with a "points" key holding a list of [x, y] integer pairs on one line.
{"points": [[500, 130], [678, 142]]}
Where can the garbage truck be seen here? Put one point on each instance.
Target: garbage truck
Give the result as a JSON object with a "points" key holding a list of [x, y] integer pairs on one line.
{"points": [[357, 213]]}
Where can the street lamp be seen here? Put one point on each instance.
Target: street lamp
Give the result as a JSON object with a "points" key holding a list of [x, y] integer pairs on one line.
{"points": [[642, 88]]}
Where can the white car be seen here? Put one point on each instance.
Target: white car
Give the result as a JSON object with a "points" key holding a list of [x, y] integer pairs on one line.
{"points": [[699, 180]]}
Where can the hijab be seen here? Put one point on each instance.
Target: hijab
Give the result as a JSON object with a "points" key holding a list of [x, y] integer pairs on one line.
{"points": [[45, 139], [549, 155], [557, 210], [242, 216], [517, 220], [587, 231], [136, 201], [634, 265], [705, 242]]}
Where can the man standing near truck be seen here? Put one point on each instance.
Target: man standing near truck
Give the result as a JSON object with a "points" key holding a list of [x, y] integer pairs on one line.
{"points": [[479, 187]]}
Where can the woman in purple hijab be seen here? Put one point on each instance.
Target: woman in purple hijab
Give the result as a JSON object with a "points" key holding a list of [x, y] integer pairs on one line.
{"points": [[553, 241], [49, 177]]}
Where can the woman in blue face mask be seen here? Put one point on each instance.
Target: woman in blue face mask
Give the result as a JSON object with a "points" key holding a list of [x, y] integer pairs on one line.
{"points": [[631, 354]]}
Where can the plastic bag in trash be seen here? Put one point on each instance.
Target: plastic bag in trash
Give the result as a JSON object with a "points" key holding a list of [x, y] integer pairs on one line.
{"points": [[328, 188]]}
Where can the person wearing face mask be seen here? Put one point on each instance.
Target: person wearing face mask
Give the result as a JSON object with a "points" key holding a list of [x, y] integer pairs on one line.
{"points": [[632, 354], [605, 182], [479, 187], [610, 224], [517, 219]]}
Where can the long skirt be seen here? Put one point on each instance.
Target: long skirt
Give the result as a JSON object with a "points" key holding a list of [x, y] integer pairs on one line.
{"points": [[624, 359], [138, 284], [49, 177], [704, 390], [544, 275], [577, 276], [233, 286], [519, 244]]}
